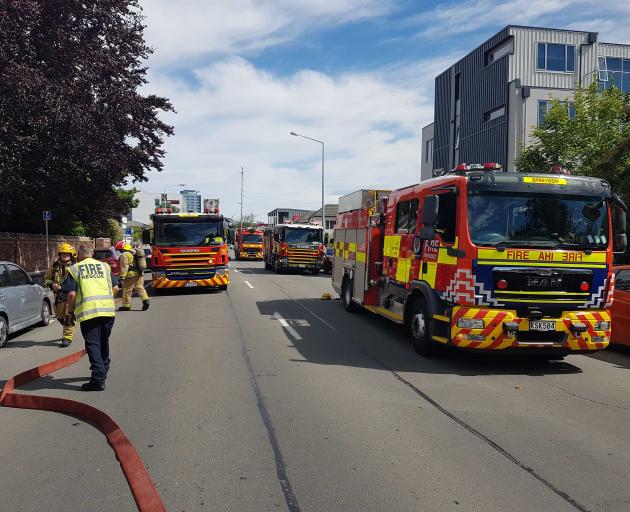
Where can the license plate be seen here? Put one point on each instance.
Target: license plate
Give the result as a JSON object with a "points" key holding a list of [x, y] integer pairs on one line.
{"points": [[190, 284], [542, 325]]}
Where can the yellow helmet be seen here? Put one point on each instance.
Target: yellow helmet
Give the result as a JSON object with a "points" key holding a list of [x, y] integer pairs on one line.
{"points": [[127, 247], [67, 248]]}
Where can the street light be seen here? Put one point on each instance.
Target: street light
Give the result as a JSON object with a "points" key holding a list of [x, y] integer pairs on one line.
{"points": [[169, 186], [322, 143]]}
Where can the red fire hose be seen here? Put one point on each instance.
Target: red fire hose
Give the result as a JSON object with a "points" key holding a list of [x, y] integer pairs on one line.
{"points": [[142, 488]]}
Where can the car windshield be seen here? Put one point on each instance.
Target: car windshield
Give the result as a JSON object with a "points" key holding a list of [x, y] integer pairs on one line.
{"points": [[302, 235], [189, 233], [252, 239], [538, 220]]}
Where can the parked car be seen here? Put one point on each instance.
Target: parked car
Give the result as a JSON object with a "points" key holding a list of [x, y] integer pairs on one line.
{"points": [[329, 256], [23, 302], [621, 306], [147, 254], [110, 257]]}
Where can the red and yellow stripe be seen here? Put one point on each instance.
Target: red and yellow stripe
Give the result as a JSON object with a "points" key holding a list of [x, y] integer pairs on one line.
{"points": [[218, 280]]}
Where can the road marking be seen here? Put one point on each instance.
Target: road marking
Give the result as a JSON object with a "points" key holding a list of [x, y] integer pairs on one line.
{"points": [[314, 314], [286, 325], [248, 284], [235, 270]]}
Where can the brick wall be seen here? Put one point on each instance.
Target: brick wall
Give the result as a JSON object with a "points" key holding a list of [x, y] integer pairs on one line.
{"points": [[29, 251]]}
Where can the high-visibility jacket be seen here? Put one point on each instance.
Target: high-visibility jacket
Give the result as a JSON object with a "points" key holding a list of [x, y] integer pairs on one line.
{"points": [[94, 289], [128, 267]]}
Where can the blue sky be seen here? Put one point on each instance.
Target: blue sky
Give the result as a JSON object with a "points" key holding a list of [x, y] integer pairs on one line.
{"points": [[356, 73]]}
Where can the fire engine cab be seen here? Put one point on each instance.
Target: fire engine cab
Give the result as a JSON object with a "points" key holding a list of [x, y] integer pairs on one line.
{"points": [[484, 259]]}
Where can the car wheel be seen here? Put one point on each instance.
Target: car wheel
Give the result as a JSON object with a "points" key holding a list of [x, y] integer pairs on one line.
{"points": [[4, 332], [420, 329], [45, 314]]}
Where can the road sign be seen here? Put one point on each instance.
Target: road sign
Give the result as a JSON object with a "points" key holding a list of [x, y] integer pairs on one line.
{"points": [[46, 215], [128, 232]]}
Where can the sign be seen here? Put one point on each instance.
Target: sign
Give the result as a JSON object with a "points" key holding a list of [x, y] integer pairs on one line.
{"points": [[128, 232], [544, 181], [46, 215]]}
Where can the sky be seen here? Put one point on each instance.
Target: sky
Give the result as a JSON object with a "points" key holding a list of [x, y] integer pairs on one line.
{"points": [[356, 74]]}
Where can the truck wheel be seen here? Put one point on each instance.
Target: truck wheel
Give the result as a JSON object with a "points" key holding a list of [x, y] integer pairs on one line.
{"points": [[45, 314], [276, 268], [346, 296], [420, 329], [267, 265], [4, 332]]}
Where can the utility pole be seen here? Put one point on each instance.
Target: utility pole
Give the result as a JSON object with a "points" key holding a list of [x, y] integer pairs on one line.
{"points": [[242, 171]]}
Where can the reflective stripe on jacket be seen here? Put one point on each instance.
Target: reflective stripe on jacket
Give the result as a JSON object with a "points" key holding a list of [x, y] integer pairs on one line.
{"points": [[94, 289]]}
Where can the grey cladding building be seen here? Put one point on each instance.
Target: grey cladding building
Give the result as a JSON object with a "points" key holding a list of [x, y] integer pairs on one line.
{"points": [[487, 103]]}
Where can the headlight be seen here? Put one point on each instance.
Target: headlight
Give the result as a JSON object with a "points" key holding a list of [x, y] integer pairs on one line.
{"points": [[220, 272], [602, 326], [470, 323], [160, 274]]}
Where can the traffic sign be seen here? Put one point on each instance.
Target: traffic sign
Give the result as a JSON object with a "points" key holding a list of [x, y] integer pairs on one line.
{"points": [[128, 232], [46, 215]]}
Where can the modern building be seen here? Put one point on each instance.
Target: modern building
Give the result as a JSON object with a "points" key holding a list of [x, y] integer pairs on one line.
{"points": [[148, 202], [487, 103], [191, 201], [426, 164], [315, 217], [281, 215]]}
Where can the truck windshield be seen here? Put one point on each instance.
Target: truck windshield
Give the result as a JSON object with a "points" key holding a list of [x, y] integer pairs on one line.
{"points": [[538, 220], [252, 239], [302, 235], [189, 233]]}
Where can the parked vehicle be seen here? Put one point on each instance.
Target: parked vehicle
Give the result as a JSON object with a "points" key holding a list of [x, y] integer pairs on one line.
{"points": [[110, 257], [620, 311], [327, 261], [249, 244], [293, 246], [480, 259], [23, 303]]}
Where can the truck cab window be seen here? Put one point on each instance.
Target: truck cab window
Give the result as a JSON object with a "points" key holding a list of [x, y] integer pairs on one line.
{"points": [[413, 215], [447, 215], [402, 217]]}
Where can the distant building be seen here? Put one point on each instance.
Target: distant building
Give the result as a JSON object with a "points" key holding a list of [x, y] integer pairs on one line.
{"points": [[148, 202], [426, 165], [191, 201], [315, 217], [488, 102], [282, 215]]}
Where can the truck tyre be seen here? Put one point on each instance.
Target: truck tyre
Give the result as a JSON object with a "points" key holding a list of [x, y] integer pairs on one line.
{"points": [[420, 329], [4, 332], [276, 268], [267, 265], [346, 295]]}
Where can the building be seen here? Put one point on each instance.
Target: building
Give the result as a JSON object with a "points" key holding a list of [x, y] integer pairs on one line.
{"points": [[282, 215], [487, 103], [148, 202], [315, 217], [426, 164], [191, 201]]}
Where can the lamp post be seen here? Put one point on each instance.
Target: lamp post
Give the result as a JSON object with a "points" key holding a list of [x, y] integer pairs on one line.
{"points": [[322, 143], [169, 186]]}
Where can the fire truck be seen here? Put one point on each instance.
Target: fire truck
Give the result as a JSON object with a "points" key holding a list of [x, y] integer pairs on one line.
{"points": [[294, 246], [188, 250], [481, 259], [249, 244]]}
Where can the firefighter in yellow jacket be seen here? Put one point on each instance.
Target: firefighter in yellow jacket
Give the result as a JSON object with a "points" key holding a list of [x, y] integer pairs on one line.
{"points": [[54, 279], [131, 276]]}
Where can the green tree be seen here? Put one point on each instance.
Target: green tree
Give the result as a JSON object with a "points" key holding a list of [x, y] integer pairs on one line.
{"points": [[595, 142]]}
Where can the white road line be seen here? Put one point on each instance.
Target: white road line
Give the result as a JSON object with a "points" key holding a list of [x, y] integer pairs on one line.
{"points": [[248, 284], [314, 314], [234, 270], [286, 325]]}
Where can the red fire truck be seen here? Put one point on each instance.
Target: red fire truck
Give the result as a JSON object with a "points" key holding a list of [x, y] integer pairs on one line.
{"points": [[249, 244], [482, 259], [188, 250]]}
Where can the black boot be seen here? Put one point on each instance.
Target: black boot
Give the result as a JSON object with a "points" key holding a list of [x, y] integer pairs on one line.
{"points": [[93, 386], [145, 305], [124, 308]]}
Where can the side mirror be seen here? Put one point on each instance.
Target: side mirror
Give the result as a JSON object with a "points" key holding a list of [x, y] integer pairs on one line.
{"points": [[620, 243], [426, 233], [146, 236], [430, 210]]}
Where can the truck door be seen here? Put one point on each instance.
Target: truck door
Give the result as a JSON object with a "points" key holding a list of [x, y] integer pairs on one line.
{"points": [[401, 244]]}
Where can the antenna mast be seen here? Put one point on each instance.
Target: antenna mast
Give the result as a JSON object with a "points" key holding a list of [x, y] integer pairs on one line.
{"points": [[242, 171]]}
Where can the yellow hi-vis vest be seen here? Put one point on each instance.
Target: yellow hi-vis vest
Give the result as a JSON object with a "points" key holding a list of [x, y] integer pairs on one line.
{"points": [[94, 290]]}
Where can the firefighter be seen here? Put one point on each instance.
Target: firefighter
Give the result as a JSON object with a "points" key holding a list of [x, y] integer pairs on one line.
{"points": [[131, 276], [54, 279], [91, 288]]}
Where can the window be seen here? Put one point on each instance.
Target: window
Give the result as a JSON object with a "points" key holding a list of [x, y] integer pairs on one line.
{"points": [[555, 57], [330, 224], [407, 216], [428, 150], [447, 215], [501, 50], [494, 114], [614, 72], [18, 276], [157, 202], [622, 280], [545, 105], [4, 277]]}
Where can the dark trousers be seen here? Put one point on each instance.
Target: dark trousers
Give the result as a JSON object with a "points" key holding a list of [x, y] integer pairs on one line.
{"points": [[96, 333]]}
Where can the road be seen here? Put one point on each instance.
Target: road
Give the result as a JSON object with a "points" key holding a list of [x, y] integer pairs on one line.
{"points": [[269, 398]]}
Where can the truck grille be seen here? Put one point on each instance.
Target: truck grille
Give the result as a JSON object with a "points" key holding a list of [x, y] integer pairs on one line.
{"points": [[543, 284], [187, 274], [554, 337], [189, 259], [302, 255]]}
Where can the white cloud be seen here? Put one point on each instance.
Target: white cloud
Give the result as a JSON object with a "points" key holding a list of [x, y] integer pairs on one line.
{"points": [[188, 30], [237, 115]]}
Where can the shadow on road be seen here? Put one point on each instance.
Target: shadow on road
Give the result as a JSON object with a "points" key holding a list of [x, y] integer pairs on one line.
{"points": [[50, 382], [33, 343], [618, 355], [257, 270], [370, 341]]}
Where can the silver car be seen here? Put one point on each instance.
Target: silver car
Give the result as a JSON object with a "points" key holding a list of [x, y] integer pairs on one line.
{"points": [[22, 302]]}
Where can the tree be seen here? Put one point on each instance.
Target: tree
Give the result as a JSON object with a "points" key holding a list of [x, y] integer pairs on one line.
{"points": [[74, 126], [595, 142]]}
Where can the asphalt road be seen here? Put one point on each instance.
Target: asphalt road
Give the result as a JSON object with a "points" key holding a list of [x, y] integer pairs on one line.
{"points": [[269, 398]]}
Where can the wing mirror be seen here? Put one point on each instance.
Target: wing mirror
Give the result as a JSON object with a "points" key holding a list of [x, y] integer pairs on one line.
{"points": [[430, 210]]}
